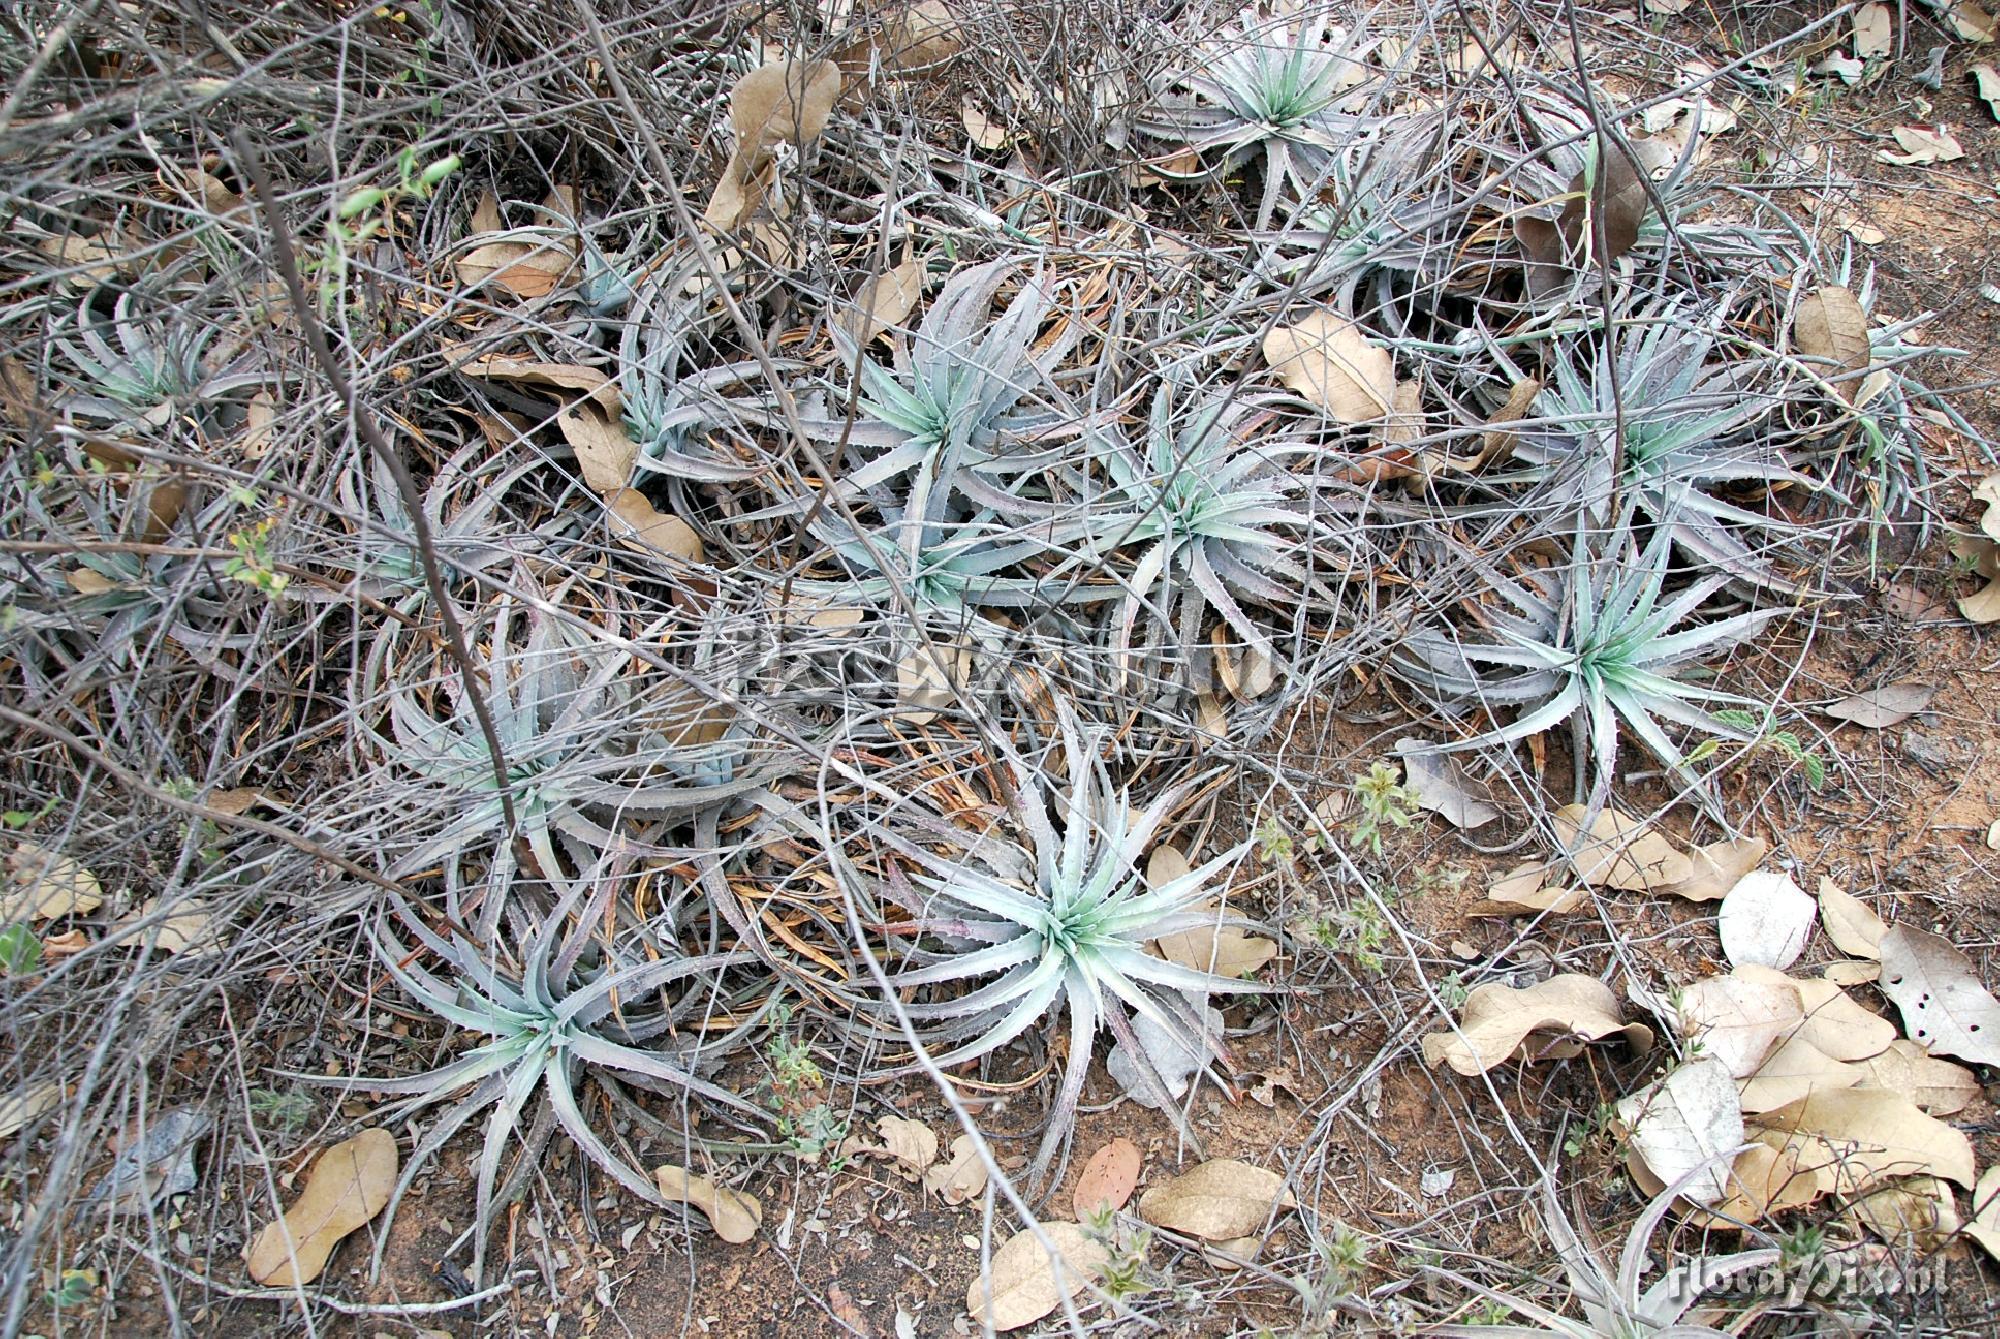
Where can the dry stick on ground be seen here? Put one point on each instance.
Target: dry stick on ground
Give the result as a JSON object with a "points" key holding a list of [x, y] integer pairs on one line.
{"points": [[371, 432]]}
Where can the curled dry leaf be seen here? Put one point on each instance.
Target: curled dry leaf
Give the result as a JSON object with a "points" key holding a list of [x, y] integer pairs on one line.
{"points": [[1937, 1086], [1940, 996], [1922, 147], [1916, 1215], [1879, 708], [1021, 1286], [1865, 1136], [1766, 920], [1328, 360], [639, 525], [1688, 1124], [1984, 1225], [1107, 1180], [1987, 80], [1850, 923], [962, 1178], [784, 102], [1550, 1020], [348, 1186], [1717, 867], [1442, 786], [1620, 852], [733, 1215], [1983, 605], [1219, 1200], [1528, 888], [1831, 327], [43, 884]]}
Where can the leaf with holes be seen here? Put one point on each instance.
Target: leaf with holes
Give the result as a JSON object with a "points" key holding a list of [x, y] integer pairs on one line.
{"points": [[1943, 1004]]}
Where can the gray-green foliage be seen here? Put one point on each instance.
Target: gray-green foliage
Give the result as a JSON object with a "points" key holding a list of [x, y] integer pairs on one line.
{"points": [[1048, 915], [1280, 91], [560, 1006], [1696, 432], [1596, 641]]}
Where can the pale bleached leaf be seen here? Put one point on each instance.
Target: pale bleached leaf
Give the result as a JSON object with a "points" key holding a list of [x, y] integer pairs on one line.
{"points": [[1943, 1003], [1766, 920], [1688, 1125]]}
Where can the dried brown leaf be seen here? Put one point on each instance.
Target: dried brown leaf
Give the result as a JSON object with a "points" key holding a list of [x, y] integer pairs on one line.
{"points": [[1796, 1069], [1718, 867], [348, 1186], [1879, 708], [733, 1215], [1107, 1180], [1549, 1020], [1738, 1020], [1850, 923], [43, 884], [1621, 852], [604, 449], [1938, 1086], [1687, 1125], [191, 924], [1866, 1136], [1217, 1200], [1021, 1287], [1916, 1215], [885, 301], [640, 525], [1923, 147], [1765, 920], [1830, 326], [1874, 33], [961, 1179], [783, 102], [1328, 360]]}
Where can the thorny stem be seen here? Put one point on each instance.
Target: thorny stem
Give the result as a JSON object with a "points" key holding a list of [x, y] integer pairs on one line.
{"points": [[392, 460]]}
